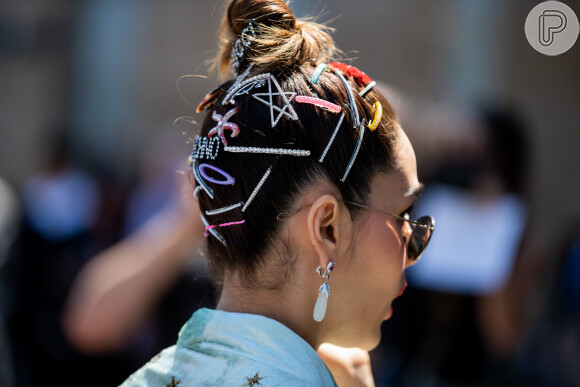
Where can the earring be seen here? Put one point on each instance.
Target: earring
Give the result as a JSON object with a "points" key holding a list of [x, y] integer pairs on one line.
{"points": [[323, 293]]}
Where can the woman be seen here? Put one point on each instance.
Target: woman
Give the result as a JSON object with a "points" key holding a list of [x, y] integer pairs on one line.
{"points": [[305, 180]]}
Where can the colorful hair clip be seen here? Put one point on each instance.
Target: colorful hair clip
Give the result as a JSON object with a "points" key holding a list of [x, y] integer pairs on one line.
{"points": [[377, 118], [242, 43], [212, 231], [331, 138], [361, 78], [270, 151], [317, 72], [367, 88], [204, 147], [355, 153], [286, 97], [209, 99], [210, 227], [318, 102], [200, 181], [351, 101], [229, 180], [258, 186], [223, 209], [223, 124], [245, 87]]}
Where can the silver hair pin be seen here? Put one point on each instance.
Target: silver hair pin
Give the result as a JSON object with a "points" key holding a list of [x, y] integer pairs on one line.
{"points": [[240, 78], [271, 151], [200, 180], [244, 87], [351, 101], [204, 147], [331, 138], [258, 186], [212, 231], [368, 88], [241, 44], [223, 209], [355, 153], [286, 97]]}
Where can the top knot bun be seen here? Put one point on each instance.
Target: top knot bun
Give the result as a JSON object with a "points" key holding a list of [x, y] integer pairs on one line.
{"points": [[281, 41]]}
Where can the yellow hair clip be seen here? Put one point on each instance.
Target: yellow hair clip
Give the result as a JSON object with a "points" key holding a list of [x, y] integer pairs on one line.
{"points": [[377, 118]]}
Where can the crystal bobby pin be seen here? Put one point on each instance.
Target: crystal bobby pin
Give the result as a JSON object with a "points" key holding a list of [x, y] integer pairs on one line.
{"points": [[213, 232], [356, 150], [368, 88], [223, 209], [258, 186], [318, 102], [351, 101], [377, 117], [245, 86], [317, 72], [229, 180], [331, 138], [271, 151]]}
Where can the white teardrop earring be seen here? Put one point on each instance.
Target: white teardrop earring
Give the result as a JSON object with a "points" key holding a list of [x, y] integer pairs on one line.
{"points": [[323, 293]]}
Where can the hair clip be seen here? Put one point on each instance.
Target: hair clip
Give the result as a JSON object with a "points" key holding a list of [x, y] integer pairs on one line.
{"points": [[270, 151], [361, 78], [356, 150], [229, 180], [245, 87], [258, 186], [223, 124], [210, 227], [223, 209], [242, 43], [317, 72], [351, 101], [286, 97], [331, 138], [213, 232], [318, 102], [200, 181], [209, 99], [204, 147], [377, 118], [368, 88]]}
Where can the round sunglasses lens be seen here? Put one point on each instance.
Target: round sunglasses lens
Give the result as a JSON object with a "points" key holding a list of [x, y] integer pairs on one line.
{"points": [[420, 237]]}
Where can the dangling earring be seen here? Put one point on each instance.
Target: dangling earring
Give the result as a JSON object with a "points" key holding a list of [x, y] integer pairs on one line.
{"points": [[323, 293]]}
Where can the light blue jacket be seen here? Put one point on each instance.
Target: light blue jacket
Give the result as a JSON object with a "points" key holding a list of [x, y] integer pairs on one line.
{"points": [[217, 348]]}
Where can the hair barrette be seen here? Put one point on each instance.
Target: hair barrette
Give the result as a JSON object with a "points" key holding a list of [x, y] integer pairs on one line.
{"points": [[377, 117], [269, 151], [223, 209], [318, 102], [209, 99], [351, 101], [258, 186], [317, 72], [229, 180], [242, 43], [204, 147], [223, 124], [287, 110], [360, 77], [200, 181], [245, 87], [212, 231], [210, 227], [356, 150], [367, 88], [331, 138]]}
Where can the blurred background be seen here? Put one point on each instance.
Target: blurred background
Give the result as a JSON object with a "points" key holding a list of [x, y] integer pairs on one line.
{"points": [[90, 156]]}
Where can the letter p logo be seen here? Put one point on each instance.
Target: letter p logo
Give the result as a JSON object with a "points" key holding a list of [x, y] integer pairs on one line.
{"points": [[551, 22], [551, 28]]}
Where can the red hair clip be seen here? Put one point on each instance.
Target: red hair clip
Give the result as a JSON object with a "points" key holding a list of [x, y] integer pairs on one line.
{"points": [[361, 78]]}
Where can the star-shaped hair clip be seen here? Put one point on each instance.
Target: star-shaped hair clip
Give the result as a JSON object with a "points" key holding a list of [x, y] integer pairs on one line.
{"points": [[254, 380], [286, 110]]}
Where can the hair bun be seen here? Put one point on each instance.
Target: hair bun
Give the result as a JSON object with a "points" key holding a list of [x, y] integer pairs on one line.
{"points": [[281, 40]]}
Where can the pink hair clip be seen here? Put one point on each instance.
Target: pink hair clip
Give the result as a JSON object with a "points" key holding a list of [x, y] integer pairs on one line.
{"points": [[210, 227], [318, 102], [223, 124]]}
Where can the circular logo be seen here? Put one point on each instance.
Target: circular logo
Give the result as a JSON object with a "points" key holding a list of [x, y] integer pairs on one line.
{"points": [[552, 28]]}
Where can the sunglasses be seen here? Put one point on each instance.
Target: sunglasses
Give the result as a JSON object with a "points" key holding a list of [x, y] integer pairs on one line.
{"points": [[421, 231]]}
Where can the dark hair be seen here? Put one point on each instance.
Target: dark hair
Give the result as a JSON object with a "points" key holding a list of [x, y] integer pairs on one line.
{"points": [[289, 49]]}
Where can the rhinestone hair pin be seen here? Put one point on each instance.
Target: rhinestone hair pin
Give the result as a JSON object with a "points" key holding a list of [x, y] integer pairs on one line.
{"points": [[241, 45], [269, 151]]}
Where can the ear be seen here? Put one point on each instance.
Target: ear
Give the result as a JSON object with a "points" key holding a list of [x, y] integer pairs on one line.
{"points": [[323, 227]]}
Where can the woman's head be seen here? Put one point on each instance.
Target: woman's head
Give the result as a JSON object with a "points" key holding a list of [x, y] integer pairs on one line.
{"points": [[270, 102]]}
